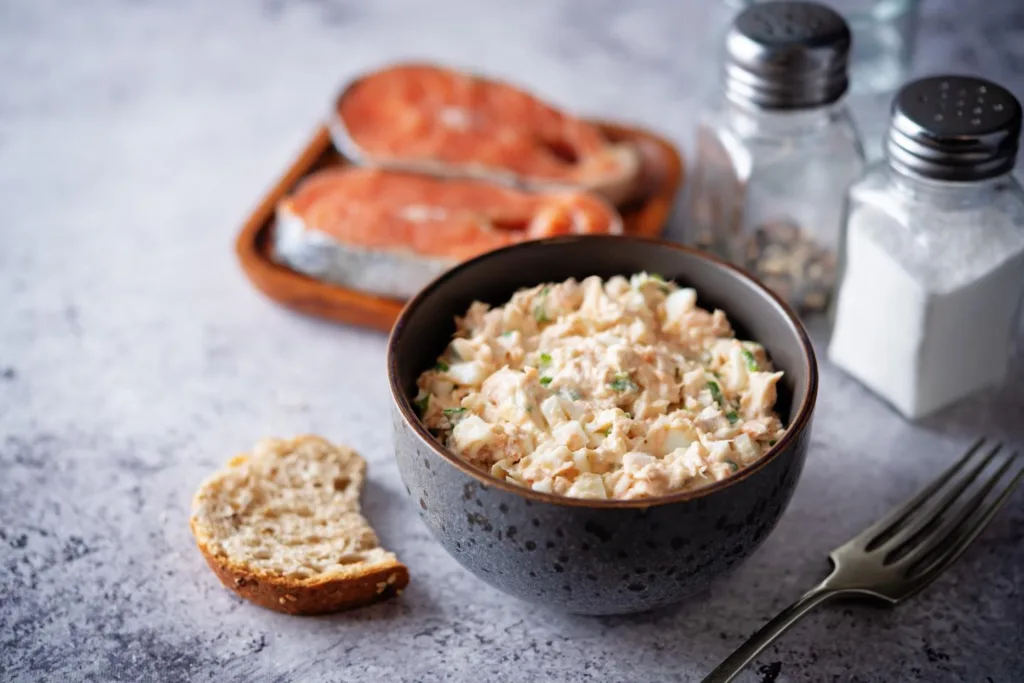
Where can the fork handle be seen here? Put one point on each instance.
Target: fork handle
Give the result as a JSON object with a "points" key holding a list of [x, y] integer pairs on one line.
{"points": [[746, 652]]}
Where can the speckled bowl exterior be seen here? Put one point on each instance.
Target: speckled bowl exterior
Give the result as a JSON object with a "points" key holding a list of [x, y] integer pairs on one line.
{"points": [[603, 557]]}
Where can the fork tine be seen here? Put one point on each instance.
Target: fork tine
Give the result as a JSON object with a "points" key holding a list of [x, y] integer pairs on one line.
{"points": [[877, 533], [956, 533], [903, 539]]}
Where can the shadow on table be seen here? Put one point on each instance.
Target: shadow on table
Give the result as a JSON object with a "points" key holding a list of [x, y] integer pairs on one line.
{"points": [[997, 413]]}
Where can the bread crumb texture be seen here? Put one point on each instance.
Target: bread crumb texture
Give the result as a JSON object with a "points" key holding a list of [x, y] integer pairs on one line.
{"points": [[281, 526]]}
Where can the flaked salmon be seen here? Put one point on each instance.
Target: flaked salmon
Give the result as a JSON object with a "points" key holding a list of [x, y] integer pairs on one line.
{"points": [[390, 232], [425, 118]]}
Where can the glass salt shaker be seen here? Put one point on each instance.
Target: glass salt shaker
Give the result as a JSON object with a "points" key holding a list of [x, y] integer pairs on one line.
{"points": [[777, 150], [933, 249]]}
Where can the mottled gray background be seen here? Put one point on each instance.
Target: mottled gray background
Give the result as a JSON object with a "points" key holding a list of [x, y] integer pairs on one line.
{"points": [[135, 358]]}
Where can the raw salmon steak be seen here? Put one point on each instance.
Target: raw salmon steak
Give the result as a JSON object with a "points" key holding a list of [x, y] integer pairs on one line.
{"points": [[390, 232], [429, 119]]}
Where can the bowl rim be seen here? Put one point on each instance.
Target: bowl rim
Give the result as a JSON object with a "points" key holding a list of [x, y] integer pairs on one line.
{"points": [[798, 423]]}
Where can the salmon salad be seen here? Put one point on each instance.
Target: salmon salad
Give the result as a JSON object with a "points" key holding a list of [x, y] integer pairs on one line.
{"points": [[602, 389]]}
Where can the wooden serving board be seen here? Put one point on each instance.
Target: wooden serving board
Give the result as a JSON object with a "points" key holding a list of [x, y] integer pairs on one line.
{"points": [[661, 177]]}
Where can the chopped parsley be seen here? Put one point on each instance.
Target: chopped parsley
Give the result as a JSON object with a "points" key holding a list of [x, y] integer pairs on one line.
{"points": [[622, 382], [453, 411], [441, 366], [539, 314], [627, 414], [574, 395], [606, 431], [732, 417], [772, 442], [662, 284], [506, 333], [545, 358], [545, 381], [732, 465], [716, 393], [422, 404], [751, 361]]}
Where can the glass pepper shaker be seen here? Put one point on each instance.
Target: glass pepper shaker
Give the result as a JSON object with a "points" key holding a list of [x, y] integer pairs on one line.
{"points": [[777, 150], [933, 249]]}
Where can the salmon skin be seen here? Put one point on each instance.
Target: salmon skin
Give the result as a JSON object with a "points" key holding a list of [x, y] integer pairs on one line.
{"points": [[390, 232], [429, 119]]}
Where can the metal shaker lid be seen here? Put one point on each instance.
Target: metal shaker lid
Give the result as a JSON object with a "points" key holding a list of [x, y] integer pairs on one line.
{"points": [[957, 128], [787, 55]]}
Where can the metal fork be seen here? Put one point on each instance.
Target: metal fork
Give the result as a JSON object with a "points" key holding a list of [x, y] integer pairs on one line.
{"points": [[907, 549]]}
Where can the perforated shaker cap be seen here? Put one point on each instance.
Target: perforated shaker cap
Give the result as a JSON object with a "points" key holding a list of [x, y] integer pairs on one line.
{"points": [[958, 128], [787, 55]]}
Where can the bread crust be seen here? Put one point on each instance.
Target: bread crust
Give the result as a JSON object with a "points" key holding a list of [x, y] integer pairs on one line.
{"points": [[314, 596]]}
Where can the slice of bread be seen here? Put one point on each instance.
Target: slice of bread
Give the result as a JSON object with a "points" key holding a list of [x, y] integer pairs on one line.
{"points": [[281, 527]]}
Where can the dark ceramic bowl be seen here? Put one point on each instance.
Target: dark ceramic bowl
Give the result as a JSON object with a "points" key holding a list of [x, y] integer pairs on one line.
{"points": [[597, 557]]}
